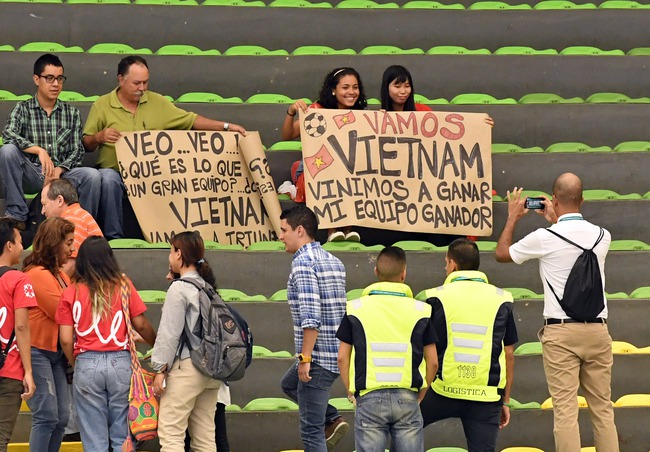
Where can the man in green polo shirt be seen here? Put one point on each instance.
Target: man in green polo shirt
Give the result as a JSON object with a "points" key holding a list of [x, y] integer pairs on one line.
{"points": [[128, 108]]}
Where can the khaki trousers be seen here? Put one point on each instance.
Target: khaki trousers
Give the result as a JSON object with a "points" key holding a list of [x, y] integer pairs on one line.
{"points": [[580, 355], [189, 401]]}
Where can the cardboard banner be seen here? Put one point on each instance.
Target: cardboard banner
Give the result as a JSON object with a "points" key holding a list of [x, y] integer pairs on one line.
{"points": [[407, 171], [217, 183]]}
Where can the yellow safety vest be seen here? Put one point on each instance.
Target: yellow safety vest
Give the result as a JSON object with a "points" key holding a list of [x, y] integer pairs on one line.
{"points": [[383, 322], [472, 367]]}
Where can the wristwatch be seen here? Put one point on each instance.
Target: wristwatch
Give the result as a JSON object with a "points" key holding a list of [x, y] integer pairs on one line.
{"points": [[303, 358], [226, 126]]}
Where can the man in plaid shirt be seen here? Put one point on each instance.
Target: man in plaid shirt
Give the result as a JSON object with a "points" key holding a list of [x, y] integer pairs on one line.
{"points": [[42, 142], [316, 295]]}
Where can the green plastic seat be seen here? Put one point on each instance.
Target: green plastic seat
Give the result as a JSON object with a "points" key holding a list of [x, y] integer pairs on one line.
{"points": [[529, 348], [152, 296], [486, 245], [574, 147], [321, 50], [280, 295], [273, 245], [7, 48], [167, 2], [507, 148], [416, 245], [446, 449], [603, 195], [49, 47], [639, 51], [628, 245], [353, 294], [548, 98], [233, 407], [344, 246], [616, 98], [286, 146], [389, 50], [563, 4], [212, 245], [621, 4], [523, 50], [72, 96], [271, 404], [496, 5], [373, 101], [90, 2], [298, 4], [263, 352], [616, 295], [128, 243], [238, 295], [516, 405], [426, 4], [363, 4], [254, 3], [534, 194], [477, 98], [641, 292], [632, 146], [342, 404], [159, 246], [253, 51], [118, 48], [8, 96], [588, 50], [142, 356], [421, 295], [31, 1], [647, 195], [212, 98], [268, 98], [456, 50], [521, 293], [180, 49]]}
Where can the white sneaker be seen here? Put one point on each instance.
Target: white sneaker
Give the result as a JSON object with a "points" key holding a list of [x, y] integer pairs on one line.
{"points": [[352, 236], [336, 236]]}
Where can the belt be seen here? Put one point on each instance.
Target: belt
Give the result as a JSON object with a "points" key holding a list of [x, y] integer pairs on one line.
{"points": [[560, 321]]}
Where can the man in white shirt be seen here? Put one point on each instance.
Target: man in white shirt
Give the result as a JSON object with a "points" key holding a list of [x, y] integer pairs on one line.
{"points": [[576, 354]]}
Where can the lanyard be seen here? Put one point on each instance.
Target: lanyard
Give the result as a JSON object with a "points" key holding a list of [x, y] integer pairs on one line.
{"points": [[464, 278], [386, 292], [575, 217]]}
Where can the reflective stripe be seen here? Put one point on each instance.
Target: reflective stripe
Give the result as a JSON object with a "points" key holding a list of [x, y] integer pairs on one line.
{"points": [[468, 328], [356, 304], [499, 292], [466, 358], [468, 343], [388, 377], [388, 347], [388, 362], [420, 306]]}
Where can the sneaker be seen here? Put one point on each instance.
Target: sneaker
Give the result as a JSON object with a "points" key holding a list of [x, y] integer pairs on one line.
{"points": [[352, 236], [336, 236], [335, 431]]}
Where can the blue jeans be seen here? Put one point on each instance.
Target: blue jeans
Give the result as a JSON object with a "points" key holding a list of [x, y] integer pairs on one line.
{"points": [[111, 219], [385, 412], [312, 398], [19, 174], [49, 405], [101, 394]]}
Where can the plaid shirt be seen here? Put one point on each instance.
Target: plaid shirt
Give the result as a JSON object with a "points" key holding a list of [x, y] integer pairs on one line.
{"points": [[316, 294], [59, 134]]}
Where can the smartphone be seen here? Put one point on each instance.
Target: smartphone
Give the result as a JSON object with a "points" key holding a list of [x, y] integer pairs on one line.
{"points": [[534, 203]]}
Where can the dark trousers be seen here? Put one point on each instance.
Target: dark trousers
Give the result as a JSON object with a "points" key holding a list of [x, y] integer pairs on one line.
{"points": [[221, 436], [480, 419]]}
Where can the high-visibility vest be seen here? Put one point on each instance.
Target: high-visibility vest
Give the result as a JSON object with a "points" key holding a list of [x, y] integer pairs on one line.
{"points": [[384, 320], [472, 366]]}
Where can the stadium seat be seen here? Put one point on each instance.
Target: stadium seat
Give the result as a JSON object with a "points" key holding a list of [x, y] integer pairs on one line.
{"points": [[342, 404], [146, 355], [628, 245], [319, 50], [254, 3], [280, 295], [238, 295], [271, 404], [268, 98], [616, 295], [548, 98], [128, 243], [91, 2], [118, 48], [506, 148], [486, 245], [496, 5], [633, 400], [534, 194], [365, 4], [521, 293], [201, 97], [253, 51], [167, 2], [456, 50], [286, 146], [623, 348], [72, 96], [50, 47], [516, 405], [30, 1], [416, 245], [350, 246], [521, 449], [152, 296], [548, 403], [632, 146], [159, 246], [523, 50], [615, 98], [266, 246], [475, 98], [389, 50], [298, 4], [426, 4], [571, 146], [588, 50], [180, 49], [529, 348], [354, 294], [8, 96], [233, 407], [263, 352], [622, 4], [212, 245], [647, 195], [7, 48], [639, 51], [563, 4], [599, 195], [641, 292]]}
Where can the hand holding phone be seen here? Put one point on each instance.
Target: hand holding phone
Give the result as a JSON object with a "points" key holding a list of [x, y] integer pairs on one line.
{"points": [[534, 203]]}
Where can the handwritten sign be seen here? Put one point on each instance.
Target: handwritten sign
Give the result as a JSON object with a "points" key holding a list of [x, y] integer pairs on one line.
{"points": [[217, 183], [410, 171]]}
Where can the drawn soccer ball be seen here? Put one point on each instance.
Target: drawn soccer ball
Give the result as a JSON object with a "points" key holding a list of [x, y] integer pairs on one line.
{"points": [[315, 125]]}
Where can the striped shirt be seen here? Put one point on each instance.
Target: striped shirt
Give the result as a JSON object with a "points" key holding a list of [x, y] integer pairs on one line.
{"points": [[316, 294], [84, 225], [59, 134]]}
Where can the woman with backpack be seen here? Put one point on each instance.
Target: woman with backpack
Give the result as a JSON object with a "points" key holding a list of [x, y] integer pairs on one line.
{"points": [[188, 397]]}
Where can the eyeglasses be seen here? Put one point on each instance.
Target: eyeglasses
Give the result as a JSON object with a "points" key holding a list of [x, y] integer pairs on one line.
{"points": [[50, 78]]}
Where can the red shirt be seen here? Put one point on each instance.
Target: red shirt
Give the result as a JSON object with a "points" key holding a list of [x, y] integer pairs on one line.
{"points": [[105, 334], [16, 292], [422, 107]]}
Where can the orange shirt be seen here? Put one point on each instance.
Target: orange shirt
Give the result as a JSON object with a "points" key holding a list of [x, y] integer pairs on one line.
{"points": [[84, 225], [43, 328]]}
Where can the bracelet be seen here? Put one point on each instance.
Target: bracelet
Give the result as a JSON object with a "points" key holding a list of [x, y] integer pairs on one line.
{"points": [[292, 115]]}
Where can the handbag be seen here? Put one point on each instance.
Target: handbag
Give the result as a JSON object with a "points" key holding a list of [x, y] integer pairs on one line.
{"points": [[143, 405]]}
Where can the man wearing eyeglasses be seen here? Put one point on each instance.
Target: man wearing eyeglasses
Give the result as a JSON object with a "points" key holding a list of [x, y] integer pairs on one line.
{"points": [[42, 142]]}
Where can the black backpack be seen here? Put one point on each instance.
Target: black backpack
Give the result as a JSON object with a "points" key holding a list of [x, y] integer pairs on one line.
{"points": [[223, 342], [5, 351], [583, 296]]}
